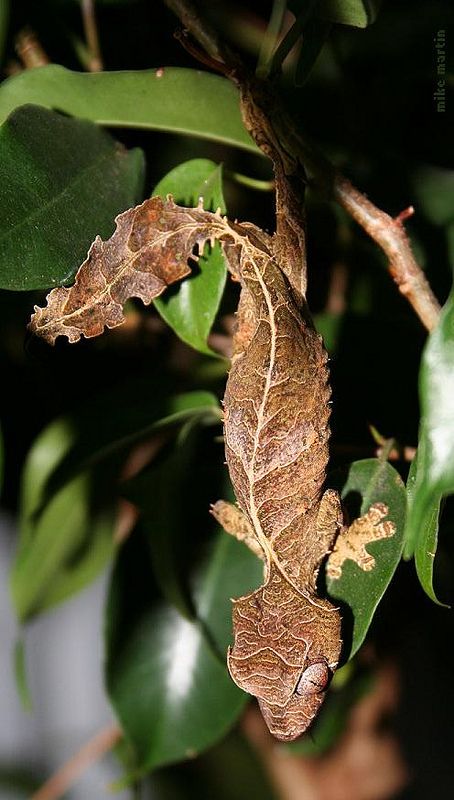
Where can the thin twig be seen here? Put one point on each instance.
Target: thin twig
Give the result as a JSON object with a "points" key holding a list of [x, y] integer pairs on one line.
{"points": [[30, 50], [91, 35], [69, 773], [199, 27], [390, 235], [387, 232]]}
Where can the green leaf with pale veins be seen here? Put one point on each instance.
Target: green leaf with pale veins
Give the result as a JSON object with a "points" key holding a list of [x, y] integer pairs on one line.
{"points": [[63, 181], [191, 306], [432, 475], [186, 101], [369, 481]]}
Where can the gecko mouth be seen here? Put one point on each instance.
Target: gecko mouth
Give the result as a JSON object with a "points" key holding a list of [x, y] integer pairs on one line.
{"points": [[292, 720]]}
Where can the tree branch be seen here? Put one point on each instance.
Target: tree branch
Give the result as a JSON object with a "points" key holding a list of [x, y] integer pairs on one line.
{"points": [[91, 35], [390, 235], [69, 773], [387, 232]]}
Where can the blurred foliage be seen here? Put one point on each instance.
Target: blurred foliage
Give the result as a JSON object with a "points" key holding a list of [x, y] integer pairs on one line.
{"points": [[135, 414]]}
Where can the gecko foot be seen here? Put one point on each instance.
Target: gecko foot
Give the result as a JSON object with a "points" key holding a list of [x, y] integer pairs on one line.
{"points": [[232, 519], [352, 540]]}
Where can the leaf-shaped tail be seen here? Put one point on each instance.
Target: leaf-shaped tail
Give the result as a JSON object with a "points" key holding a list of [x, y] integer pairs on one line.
{"points": [[149, 250]]}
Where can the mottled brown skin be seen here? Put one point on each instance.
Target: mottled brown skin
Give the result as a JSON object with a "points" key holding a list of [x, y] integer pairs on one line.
{"points": [[276, 431], [287, 640]]}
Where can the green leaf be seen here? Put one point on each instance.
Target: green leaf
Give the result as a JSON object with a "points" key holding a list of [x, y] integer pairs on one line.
{"points": [[63, 181], [113, 422], [211, 775], [315, 35], [432, 476], [66, 546], [190, 308], [271, 37], [329, 326], [434, 189], [229, 570], [164, 520], [357, 13], [371, 480], [20, 673], [178, 100], [172, 694]]}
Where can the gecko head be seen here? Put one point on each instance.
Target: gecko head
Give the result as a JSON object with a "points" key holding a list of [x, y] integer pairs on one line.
{"points": [[284, 653], [289, 721]]}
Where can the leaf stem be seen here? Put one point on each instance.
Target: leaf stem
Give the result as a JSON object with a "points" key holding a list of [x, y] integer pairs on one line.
{"points": [[269, 40], [251, 183], [386, 231], [91, 35], [290, 38]]}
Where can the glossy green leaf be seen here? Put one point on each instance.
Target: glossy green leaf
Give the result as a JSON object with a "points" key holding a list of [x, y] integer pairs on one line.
{"points": [[63, 181], [229, 570], [369, 481], [66, 546], [186, 101], [432, 476], [172, 694], [358, 13], [190, 308]]}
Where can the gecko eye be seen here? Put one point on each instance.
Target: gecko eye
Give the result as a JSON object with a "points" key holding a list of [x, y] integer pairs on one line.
{"points": [[314, 679]]}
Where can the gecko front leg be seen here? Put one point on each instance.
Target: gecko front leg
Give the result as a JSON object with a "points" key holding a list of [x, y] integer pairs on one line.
{"points": [[234, 522], [352, 540]]}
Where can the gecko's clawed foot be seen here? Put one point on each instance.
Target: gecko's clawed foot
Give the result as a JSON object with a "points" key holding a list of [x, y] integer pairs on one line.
{"points": [[235, 522], [352, 540]]}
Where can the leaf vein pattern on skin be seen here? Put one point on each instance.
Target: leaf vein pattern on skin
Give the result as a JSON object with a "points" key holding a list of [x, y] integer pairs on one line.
{"points": [[166, 235], [250, 472]]}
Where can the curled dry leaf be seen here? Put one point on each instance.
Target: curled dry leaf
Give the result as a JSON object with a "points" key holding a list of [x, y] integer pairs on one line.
{"points": [[148, 251]]}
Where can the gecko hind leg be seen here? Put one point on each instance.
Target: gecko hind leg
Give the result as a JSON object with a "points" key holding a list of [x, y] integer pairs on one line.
{"points": [[232, 519]]}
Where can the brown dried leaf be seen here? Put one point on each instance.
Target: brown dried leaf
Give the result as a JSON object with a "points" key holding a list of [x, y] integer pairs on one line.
{"points": [[148, 251]]}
